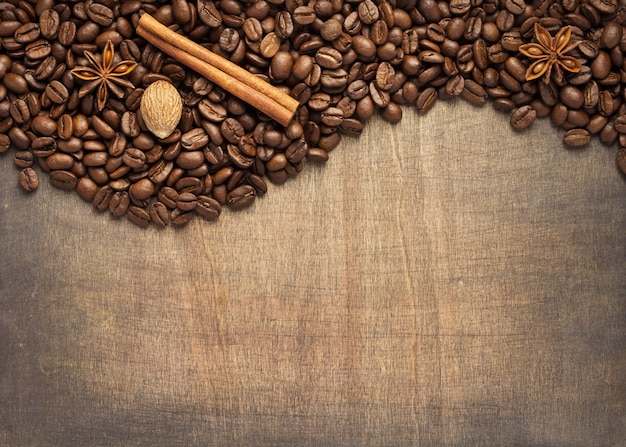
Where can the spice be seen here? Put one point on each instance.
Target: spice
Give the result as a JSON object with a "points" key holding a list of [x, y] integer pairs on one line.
{"points": [[550, 52], [161, 108], [105, 76], [266, 98]]}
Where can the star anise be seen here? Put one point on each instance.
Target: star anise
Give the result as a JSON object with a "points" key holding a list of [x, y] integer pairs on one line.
{"points": [[104, 76], [550, 52]]}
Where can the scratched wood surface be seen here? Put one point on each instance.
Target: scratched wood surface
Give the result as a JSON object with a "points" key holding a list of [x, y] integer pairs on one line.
{"points": [[443, 282]]}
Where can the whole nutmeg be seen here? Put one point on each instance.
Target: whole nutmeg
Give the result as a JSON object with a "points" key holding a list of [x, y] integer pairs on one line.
{"points": [[161, 108]]}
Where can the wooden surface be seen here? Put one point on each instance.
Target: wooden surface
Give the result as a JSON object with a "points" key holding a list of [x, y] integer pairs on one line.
{"points": [[443, 282]]}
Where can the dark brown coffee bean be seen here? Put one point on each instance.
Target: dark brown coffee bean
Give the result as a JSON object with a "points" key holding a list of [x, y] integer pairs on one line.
{"points": [[141, 190], [43, 125], [368, 12], [474, 93], [129, 125], [28, 179], [304, 15], [5, 143], [57, 92], [270, 44], [65, 127], [296, 151], [138, 216], [37, 50], [190, 159], [232, 130], [601, 65], [194, 139], [65, 180], [281, 66], [208, 208], [186, 201], [241, 197], [159, 214], [523, 117], [60, 161], [71, 145], [27, 33], [134, 158], [119, 203], [328, 57], [44, 146], [23, 159], [572, 97], [79, 124], [19, 111], [604, 6], [379, 97], [49, 22], [209, 14], [316, 154], [576, 137]]}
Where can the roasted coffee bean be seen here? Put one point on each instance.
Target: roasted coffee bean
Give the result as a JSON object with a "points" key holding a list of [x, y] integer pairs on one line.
{"points": [[5, 143], [43, 125], [134, 158], [523, 117], [44, 146], [232, 130], [19, 111], [138, 216], [142, 189], [119, 203], [38, 49], [194, 139], [28, 179], [23, 159], [577, 137], [241, 197], [474, 93], [65, 180], [57, 92], [208, 208]]}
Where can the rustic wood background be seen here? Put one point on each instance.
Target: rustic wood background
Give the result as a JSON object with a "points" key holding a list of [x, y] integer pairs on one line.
{"points": [[442, 282]]}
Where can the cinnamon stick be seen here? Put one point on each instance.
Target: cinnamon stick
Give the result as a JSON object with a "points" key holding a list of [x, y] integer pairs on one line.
{"points": [[268, 99]]}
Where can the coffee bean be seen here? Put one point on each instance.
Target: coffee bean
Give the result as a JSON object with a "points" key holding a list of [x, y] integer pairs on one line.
{"points": [[241, 197], [57, 92], [577, 137], [49, 22], [28, 179], [138, 216], [19, 111], [43, 146], [119, 203], [208, 208], [65, 180], [474, 93], [142, 189], [5, 143], [523, 117], [43, 125]]}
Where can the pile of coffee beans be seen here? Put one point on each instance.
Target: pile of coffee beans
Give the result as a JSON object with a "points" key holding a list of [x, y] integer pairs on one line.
{"points": [[343, 60]]}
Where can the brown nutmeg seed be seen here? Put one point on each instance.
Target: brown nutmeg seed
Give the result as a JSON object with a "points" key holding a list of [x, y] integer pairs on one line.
{"points": [[161, 108]]}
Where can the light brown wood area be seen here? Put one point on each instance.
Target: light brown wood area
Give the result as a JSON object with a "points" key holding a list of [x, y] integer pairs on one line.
{"points": [[443, 282]]}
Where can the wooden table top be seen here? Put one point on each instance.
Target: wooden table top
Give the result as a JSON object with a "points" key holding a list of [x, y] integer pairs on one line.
{"points": [[442, 282]]}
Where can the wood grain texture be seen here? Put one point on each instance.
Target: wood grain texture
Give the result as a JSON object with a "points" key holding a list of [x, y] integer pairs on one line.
{"points": [[442, 282]]}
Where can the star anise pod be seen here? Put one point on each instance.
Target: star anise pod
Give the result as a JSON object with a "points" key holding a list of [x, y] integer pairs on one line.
{"points": [[550, 52], [104, 76]]}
